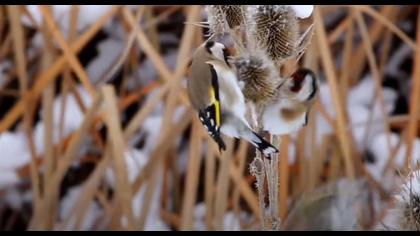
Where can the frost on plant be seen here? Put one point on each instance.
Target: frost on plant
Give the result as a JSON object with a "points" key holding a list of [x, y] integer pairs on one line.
{"points": [[406, 213], [275, 30], [222, 18]]}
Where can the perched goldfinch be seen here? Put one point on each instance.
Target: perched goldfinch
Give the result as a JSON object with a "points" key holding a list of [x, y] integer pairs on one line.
{"points": [[214, 92], [289, 111]]}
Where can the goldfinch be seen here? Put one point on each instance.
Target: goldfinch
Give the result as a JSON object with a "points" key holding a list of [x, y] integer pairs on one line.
{"points": [[289, 111], [214, 92]]}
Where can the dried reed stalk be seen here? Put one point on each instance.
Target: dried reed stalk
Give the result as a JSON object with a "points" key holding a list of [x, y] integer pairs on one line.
{"points": [[88, 192], [20, 61], [246, 191], [191, 181], [210, 170], [171, 102], [343, 27], [45, 78], [147, 46], [331, 78], [52, 190], [151, 185], [392, 27], [241, 161], [116, 140], [414, 99], [375, 33], [47, 103], [68, 53], [313, 154], [222, 187], [301, 160], [283, 166], [347, 60], [375, 72], [2, 20]]}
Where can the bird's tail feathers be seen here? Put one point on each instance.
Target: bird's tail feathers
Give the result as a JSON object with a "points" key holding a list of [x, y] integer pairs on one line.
{"points": [[262, 145]]}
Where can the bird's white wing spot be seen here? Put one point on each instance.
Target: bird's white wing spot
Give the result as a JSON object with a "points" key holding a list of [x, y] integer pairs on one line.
{"points": [[269, 151], [212, 122]]}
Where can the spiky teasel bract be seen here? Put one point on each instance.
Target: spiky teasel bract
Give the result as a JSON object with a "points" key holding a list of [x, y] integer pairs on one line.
{"points": [[259, 76], [408, 204], [274, 28], [234, 15], [223, 18]]}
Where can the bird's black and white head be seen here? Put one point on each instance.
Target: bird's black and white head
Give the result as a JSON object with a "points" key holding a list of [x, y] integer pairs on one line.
{"points": [[303, 84], [217, 51]]}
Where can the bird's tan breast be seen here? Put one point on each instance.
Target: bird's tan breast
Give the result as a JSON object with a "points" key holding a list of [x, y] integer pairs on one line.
{"points": [[293, 113]]}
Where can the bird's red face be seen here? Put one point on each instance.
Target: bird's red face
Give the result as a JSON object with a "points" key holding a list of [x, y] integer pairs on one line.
{"points": [[303, 84], [298, 80]]}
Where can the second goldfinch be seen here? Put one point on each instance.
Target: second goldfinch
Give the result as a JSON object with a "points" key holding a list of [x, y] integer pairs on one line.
{"points": [[214, 92], [289, 111]]}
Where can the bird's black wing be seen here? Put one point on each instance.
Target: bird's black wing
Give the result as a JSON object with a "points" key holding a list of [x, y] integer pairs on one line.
{"points": [[210, 117], [207, 119]]}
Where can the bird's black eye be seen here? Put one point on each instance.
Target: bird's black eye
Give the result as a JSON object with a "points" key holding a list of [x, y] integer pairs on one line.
{"points": [[209, 45], [226, 55]]}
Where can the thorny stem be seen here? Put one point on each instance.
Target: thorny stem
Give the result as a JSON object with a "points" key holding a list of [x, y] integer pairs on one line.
{"points": [[257, 167], [273, 187], [275, 176], [261, 167], [257, 170]]}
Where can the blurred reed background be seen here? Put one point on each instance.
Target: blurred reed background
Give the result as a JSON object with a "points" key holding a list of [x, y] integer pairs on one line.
{"points": [[96, 130]]}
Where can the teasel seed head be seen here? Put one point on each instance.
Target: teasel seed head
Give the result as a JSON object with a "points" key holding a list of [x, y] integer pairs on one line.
{"points": [[259, 77], [235, 15], [274, 28], [408, 203], [222, 18]]}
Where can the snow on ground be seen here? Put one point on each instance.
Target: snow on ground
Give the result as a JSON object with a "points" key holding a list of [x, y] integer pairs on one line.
{"points": [[135, 162], [88, 14], [109, 50], [359, 106], [8, 178], [4, 67], [381, 153], [14, 146], [72, 119], [393, 65], [13, 198], [67, 204], [73, 115], [147, 71], [230, 222], [303, 11], [14, 151], [153, 222]]}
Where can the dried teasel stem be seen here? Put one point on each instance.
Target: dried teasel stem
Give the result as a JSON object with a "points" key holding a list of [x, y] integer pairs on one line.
{"points": [[257, 169], [271, 167]]}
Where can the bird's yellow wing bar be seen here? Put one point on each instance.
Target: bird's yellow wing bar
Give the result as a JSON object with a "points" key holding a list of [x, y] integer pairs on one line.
{"points": [[215, 100]]}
